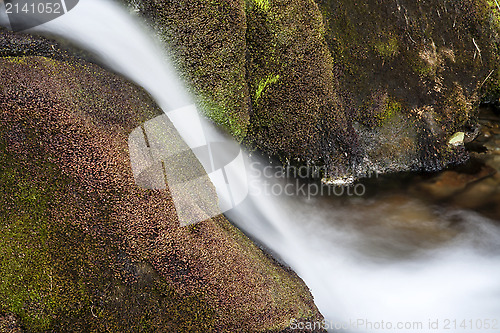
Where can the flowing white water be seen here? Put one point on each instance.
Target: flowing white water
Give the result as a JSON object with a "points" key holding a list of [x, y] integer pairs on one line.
{"points": [[358, 283], [455, 282]]}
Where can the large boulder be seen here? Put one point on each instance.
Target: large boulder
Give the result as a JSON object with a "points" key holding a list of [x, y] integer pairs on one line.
{"points": [[413, 72], [83, 248]]}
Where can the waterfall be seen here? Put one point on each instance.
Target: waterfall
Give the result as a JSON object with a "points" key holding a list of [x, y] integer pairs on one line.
{"points": [[448, 285]]}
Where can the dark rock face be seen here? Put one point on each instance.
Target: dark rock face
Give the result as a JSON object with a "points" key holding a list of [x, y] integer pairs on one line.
{"points": [[413, 70], [83, 248], [13, 44], [297, 111], [207, 40], [357, 86], [16, 44]]}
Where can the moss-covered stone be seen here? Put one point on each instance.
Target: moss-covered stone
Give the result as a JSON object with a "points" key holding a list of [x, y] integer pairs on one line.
{"points": [[430, 56], [85, 249], [300, 116], [206, 40], [312, 71]]}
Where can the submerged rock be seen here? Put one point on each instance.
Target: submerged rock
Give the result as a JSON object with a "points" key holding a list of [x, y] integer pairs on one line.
{"points": [[83, 248], [450, 183]]}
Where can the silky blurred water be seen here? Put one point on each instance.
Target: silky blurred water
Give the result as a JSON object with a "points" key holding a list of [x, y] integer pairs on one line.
{"points": [[390, 257]]}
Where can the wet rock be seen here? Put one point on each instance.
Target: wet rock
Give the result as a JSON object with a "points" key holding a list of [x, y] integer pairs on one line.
{"points": [[83, 248], [478, 195], [424, 69], [356, 86], [410, 219], [450, 183], [476, 185]]}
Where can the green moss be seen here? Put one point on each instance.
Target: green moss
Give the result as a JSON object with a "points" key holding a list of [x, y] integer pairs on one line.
{"points": [[423, 69], [391, 109], [49, 62], [219, 114], [16, 60], [387, 49], [494, 6], [28, 286], [263, 84], [263, 4]]}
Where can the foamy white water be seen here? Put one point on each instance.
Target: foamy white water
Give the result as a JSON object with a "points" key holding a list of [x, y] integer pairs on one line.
{"points": [[454, 282], [361, 285]]}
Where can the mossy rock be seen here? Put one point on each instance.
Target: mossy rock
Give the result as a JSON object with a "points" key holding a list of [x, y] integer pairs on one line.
{"points": [[85, 249], [297, 112], [432, 57], [313, 71]]}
